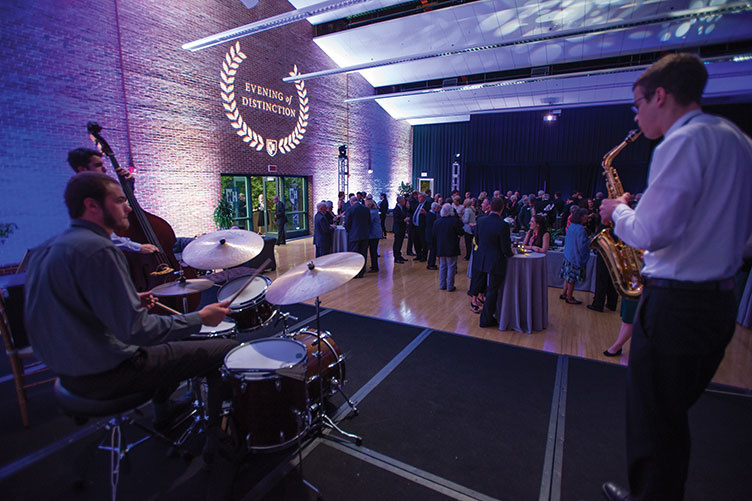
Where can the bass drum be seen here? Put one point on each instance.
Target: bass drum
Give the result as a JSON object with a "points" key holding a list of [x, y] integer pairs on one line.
{"points": [[332, 363], [269, 402], [250, 309]]}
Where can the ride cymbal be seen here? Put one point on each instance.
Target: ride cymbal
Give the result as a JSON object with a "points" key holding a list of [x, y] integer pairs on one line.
{"points": [[314, 278], [222, 249]]}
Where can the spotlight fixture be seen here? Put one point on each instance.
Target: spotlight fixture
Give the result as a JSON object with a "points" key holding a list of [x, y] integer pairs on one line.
{"points": [[551, 116], [457, 155], [343, 151], [370, 171]]}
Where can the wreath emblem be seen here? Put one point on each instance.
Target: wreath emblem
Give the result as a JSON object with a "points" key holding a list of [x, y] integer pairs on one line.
{"points": [[286, 144]]}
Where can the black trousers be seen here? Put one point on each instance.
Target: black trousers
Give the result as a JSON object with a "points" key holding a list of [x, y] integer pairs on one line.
{"points": [[431, 255], [495, 282], [361, 247], [373, 249], [678, 342], [399, 238], [419, 241], [159, 369], [383, 225], [281, 236], [605, 292], [468, 245], [478, 280]]}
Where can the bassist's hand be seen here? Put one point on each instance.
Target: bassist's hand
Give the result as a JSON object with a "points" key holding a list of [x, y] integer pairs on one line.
{"points": [[148, 249]]}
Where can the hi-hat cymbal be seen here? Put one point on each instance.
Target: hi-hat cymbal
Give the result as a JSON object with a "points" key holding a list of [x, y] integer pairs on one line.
{"points": [[222, 249], [314, 278], [179, 288]]}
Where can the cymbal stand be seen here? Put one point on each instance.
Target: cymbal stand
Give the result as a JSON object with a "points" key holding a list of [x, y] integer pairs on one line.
{"points": [[323, 419]]}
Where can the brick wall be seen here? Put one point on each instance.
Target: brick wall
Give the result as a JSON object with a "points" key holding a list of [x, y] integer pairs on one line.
{"points": [[61, 67]]}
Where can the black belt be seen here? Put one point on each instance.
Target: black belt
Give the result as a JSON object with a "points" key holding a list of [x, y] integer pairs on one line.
{"points": [[713, 285]]}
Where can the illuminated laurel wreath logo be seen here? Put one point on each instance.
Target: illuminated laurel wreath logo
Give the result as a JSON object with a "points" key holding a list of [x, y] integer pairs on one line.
{"points": [[286, 144]]}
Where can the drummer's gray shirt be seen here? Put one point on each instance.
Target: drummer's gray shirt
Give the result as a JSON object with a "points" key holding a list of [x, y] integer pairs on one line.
{"points": [[82, 312]]}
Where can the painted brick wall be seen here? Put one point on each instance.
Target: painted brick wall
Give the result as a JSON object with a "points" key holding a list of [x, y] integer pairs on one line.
{"points": [[61, 67]]}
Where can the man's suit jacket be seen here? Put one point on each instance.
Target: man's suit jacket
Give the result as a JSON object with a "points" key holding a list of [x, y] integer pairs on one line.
{"points": [[446, 234], [421, 217], [494, 244], [398, 214], [279, 213], [430, 221], [383, 208], [358, 223], [322, 232]]}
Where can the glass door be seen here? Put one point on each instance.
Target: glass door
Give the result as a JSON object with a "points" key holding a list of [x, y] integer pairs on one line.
{"points": [[235, 191], [271, 186], [296, 200]]}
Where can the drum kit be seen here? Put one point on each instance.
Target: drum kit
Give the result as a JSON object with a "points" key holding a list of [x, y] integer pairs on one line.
{"points": [[279, 384]]}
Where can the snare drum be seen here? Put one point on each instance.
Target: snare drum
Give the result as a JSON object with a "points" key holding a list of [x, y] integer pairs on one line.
{"points": [[250, 309], [332, 362], [270, 402], [225, 329]]}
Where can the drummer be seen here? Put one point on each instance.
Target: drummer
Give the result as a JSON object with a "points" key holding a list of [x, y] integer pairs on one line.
{"points": [[88, 324]]}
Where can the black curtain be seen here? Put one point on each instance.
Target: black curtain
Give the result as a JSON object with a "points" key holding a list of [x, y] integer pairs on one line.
{"points": [[519, 151]]}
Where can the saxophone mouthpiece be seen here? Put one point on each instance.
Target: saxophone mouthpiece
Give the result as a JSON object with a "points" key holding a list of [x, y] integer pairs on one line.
{"points": [[632, 135]]}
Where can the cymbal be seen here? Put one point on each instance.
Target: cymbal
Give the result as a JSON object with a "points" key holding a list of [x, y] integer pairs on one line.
{"points": [[179, 288], [222, 249], [314, 278]]}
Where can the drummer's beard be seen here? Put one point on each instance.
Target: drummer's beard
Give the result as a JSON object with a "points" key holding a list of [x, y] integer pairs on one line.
{"points": [[111, 221]]}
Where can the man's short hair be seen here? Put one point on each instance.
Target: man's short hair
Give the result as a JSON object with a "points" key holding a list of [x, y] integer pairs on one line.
{"points": [[80, 157], [497, 204], [682, 75], [400, 198], [353, 200], [446, 210], [320, 205], [86, 185], [434, 205]]}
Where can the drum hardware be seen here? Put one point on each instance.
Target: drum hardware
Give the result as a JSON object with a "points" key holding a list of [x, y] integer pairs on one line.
{"points": [[305, 282], [285, 317]]}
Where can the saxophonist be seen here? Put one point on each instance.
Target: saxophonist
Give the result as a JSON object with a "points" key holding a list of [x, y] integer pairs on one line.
{"points": [[685, 317]]}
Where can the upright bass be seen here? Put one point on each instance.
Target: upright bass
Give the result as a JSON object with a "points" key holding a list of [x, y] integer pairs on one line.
{"points": [[147, 270]]}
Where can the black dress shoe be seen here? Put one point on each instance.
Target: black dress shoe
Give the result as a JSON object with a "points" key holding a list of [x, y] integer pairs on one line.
{"points": [[452, 289], [615, 493], [609, 354], [432, 267], [399, 260], [594, 308]]}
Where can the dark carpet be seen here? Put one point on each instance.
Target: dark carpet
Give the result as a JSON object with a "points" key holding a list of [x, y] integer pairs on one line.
{"points": [[340, 476], [468, 410], [594, 449]]}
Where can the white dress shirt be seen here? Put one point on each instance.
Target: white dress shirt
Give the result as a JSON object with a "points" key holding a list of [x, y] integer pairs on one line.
{"points": [[696, 213]]}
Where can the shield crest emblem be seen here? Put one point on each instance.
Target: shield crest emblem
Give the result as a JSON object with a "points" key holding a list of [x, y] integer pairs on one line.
{"points": [[271, 147]]}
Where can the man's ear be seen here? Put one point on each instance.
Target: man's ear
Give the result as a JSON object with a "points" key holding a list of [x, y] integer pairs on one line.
{"points": [[660, 96], [91, 205]]}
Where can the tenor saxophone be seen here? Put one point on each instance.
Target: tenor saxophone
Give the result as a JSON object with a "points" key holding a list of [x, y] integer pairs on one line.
{"points": [[623, 262]]}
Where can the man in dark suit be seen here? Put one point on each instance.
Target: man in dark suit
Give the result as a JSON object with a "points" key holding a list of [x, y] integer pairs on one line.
{"points": [[323, 231], [418, 221], [358, 225], [279, 215], [431, 217], [494, 247], [398, 226], [383, 210], [411, 204]]}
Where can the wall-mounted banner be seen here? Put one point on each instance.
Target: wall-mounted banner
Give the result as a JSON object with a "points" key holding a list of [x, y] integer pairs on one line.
{"points": [[264, 103]]}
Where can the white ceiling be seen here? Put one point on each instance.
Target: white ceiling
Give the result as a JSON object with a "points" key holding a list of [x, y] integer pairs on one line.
{"points": [[527, 34]]}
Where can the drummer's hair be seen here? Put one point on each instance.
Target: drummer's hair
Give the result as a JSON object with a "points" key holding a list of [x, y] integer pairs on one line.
{"points": [[86, 185], [80, 157]]}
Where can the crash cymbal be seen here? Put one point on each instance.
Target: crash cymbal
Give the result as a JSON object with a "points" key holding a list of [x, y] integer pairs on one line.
{"points": [[222, 249], [314, 278], [179, 288]]}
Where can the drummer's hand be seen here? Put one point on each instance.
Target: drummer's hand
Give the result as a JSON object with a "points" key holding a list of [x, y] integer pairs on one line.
{"points": [[148, 249], [214, 313], [147, 299]]}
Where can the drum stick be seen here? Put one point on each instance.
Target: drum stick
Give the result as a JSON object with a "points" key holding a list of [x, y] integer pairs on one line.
{"points": [[163, 306], [250, 279]]}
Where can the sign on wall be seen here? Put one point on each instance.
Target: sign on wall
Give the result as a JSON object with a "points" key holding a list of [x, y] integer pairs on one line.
{"points": [[262, 104]]}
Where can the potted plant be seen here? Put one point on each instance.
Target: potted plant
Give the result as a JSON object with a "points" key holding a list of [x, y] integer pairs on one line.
{"points": [[223, 216], [5, 230]]}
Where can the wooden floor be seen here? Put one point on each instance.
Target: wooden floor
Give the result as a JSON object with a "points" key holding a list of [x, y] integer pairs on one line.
{"points": [[409, 293]]}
